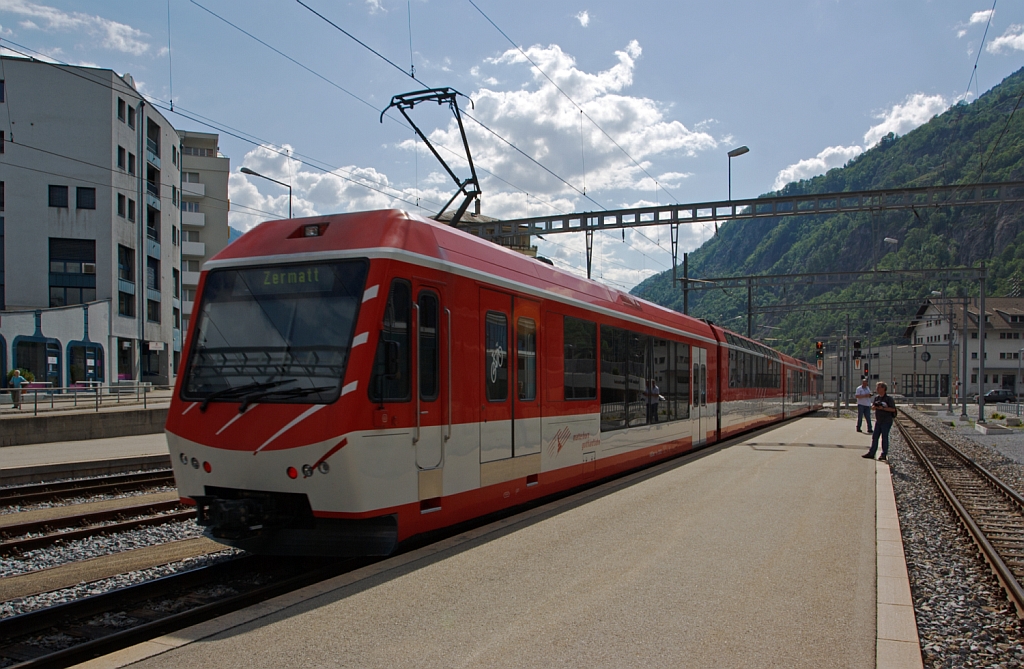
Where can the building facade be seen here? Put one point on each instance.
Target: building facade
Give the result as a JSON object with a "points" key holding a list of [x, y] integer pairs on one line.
{"points": [[204, 210], [89, 213]]}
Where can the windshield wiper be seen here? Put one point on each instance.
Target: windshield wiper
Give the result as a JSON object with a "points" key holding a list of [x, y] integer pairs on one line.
{"points": [[291, 392], [241, 390]]}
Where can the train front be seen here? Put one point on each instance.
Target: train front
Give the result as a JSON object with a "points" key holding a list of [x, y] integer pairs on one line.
{"points": [[261, 409]]}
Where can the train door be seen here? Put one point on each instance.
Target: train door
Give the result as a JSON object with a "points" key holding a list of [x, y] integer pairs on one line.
{"points": [[496, 405], [432, 386], [526, 404], [699, 420]]}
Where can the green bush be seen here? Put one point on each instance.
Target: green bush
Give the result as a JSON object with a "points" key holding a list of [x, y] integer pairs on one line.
{"points": [[29, 376]]}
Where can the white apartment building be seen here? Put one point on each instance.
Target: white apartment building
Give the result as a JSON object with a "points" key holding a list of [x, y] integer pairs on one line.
{"points": [[89, 227], [1004, 324], [204, 210]]}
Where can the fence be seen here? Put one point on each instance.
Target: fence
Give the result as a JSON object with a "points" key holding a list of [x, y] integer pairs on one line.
{"points": [[88, 394]]}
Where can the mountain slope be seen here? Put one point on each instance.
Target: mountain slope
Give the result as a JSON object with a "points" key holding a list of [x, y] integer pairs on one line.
{"points": [[969, 143]]}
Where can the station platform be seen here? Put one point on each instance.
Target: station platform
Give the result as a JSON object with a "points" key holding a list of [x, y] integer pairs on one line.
{"points": [[90, 457], [780, 548]]}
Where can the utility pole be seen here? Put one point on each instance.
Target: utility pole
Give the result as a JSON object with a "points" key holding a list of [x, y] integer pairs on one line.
{"points": [[848, 365], [963, 375], [982, 331], [686, 284]]}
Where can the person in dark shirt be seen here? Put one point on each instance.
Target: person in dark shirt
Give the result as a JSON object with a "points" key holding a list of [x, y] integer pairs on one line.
{"points": [[885, 412]]}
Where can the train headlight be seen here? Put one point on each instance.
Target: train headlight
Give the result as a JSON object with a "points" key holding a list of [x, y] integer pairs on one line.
{"points": [[183, 458], [324, 468], [307, 471], [195, 463]]}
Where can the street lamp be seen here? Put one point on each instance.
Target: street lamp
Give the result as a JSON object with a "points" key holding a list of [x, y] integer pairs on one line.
{"points": [[739, 151], [246, 170], [1019, 351]]}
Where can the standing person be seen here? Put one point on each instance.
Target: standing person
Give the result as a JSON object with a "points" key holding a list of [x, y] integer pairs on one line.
{"points": [[885, 412], [864, 403], [16, 382], [653, 396]]}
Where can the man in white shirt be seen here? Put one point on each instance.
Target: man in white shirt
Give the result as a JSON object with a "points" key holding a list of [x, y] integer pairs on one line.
{"points": [[864, 403]]}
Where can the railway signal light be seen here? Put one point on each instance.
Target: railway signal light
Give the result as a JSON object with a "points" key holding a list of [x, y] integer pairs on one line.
{"points": [[820, 350], [866, 370]]}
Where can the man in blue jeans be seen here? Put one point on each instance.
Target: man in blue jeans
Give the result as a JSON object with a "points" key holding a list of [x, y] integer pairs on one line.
{"points": [[885, 412], [863, 394]]}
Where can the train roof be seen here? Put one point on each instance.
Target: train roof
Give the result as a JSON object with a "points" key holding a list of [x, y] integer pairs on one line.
{"points": [[401, 235]]}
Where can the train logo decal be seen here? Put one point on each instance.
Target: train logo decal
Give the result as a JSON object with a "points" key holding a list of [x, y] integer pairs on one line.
{"points": [[497, 361]]}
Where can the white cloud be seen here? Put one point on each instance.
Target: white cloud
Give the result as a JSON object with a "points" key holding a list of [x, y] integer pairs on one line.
{"points": [[982, 17], [376, 6], [1012, 39], [112, 34], [540, 121], [584, 18], [917, 110], [833, 156]]}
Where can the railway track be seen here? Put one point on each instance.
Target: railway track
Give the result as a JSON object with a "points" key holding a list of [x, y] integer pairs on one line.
{"points": [[44, 492], [990, 510], [21, 537], [67, 634]]}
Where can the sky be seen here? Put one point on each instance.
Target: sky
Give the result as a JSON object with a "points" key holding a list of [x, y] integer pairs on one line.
{"points": [[570, 106]]}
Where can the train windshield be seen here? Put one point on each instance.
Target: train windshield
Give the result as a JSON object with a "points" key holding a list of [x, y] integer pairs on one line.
{"points": [[277, 334]]}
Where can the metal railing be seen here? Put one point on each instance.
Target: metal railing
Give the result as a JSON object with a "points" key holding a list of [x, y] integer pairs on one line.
{"points": [[84, 394]]}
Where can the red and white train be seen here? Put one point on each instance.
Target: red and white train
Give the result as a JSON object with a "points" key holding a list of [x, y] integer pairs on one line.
{"points": [[351, 381]]}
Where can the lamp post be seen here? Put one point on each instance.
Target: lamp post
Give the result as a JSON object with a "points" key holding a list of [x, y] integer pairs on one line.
{"points": [[246, 170], [738, 151], [1017, 380]]}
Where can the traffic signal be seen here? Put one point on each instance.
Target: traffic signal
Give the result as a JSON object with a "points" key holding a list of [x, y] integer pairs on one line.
{"points": [[820, 350], [866, 372], [856, 348]]}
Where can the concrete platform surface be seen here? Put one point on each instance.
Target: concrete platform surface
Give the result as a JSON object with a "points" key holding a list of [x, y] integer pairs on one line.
{"points": [[760, 552], [88, 450]]}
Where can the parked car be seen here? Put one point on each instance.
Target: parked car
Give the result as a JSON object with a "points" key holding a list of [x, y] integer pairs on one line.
{"points": [[1000, 395]]}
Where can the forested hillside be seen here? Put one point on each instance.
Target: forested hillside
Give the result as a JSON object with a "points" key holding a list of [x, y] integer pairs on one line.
{"points": [[978, 142]]}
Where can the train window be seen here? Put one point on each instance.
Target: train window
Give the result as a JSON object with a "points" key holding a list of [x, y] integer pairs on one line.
{"points": [[642, 392], [496, 357], [394, 336], [526, 365], [677, 390], [614, 373], [428, 351], [703, 385], [580, 344], [696, 384], [275, 334]]}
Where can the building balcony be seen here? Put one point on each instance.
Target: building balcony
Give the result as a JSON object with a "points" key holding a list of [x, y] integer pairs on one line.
{"points": [[193, 218], [196, 249], [193, 190], [189, 279]]}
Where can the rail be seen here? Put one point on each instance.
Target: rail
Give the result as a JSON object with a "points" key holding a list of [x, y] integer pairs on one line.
{"points": [[984, 503], [85, 393]]}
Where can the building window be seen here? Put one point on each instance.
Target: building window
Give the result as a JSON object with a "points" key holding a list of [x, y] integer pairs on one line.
{"points": [[189, 265], [195, 151], [176, 314], [122, 157], [126, 304], [174, 235], [85, 198], [192, 207], [152, 274], [125, 263], [153, 311], [1, 195], [188, 294], [174, 195], [72, 271], [190, 235], [176, 278], [2, 137], [131, 117], [121, 106], [131, 210], [131, 163], [153, 224], [122, 205], [59, 196], [190, 177], [174, 154], [184, 323], [3, 91]]}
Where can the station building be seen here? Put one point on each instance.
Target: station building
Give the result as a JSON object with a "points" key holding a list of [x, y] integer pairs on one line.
{"points": [[91, 227], [920, 368]]}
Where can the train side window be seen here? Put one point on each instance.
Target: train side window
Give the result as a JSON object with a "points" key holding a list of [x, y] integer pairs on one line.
{"points": [[696, 384], [496, 357], [678, 395], [429, 362], [390, 379], [703, 385], [526, 365], [614, 375], [580, 343]]}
